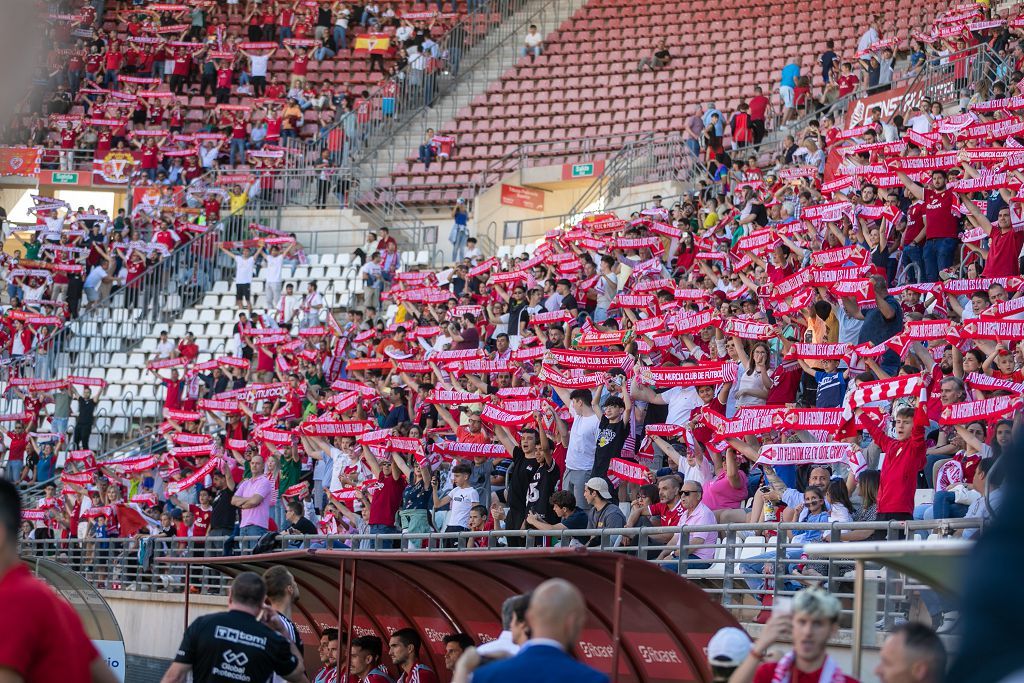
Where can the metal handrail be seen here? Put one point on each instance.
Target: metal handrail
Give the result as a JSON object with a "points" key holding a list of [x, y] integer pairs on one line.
{"points": [[740, 554]]}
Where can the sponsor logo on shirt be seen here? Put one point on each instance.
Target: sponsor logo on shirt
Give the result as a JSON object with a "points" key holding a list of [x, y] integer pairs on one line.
{"points": [[233, 635]]}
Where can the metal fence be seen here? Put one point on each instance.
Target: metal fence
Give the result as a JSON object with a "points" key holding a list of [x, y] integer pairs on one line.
{"points": [[750, 562]]}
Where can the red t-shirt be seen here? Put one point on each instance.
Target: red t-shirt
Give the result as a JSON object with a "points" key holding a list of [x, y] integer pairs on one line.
{"points": [[173, 394], [189, 351], [765, 672], [785, 383], [300, 65], [41, 637], [903, 460], [669, 517], [1003, 249], [16, 453], [758, 106], [112, 60], [940, 220], [387, 500]]}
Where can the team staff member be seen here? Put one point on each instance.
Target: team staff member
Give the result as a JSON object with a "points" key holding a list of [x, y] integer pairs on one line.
{"points": [[244, 644], [41, 637]]}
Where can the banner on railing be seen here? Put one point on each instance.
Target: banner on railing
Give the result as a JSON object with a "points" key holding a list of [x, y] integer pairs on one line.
{"points": [[20, 161]]}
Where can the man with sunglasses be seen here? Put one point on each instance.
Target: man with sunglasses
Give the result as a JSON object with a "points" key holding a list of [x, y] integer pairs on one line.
{"points": [[695, 513]]}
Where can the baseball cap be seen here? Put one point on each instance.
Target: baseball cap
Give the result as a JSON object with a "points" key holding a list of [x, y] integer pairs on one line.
{"points": [[729, 647], [600, 485]]}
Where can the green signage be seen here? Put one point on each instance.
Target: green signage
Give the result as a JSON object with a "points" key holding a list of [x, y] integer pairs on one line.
{"points": [[65, 178], [582, 170]]}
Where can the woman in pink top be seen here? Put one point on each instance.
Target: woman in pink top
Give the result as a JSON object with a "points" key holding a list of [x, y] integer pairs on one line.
{"points": [[728, 489]]}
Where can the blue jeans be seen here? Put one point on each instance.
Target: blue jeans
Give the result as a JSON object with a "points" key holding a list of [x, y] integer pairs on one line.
{"points": [[912, 254], [59, 426], [252, 530], [237, 149], [697, 565], [938, 255], [426, 155], [323, 53], [385, 529], [459, 245], [944, 506], [755, 565], [340, 37], [694, 147], [14, 468]]}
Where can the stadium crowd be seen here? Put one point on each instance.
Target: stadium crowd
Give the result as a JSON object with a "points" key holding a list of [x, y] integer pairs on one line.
{"points": [[788, 344], [189, 87]]}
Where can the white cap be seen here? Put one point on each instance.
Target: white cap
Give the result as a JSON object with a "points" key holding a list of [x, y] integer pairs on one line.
{"points": [[600, 485], [729, 647]]}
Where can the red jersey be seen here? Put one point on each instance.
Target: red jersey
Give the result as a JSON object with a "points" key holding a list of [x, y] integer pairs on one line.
{"points": [[224, 78], [135, 269], [189, 351], [238, 131], [1003, 249], [201, 527], [758, 106], [420, 673], [669, 517], [940, 215], [113, 59], [847, 84], [92, 62], [273, 128], [915, 222], [300, 65], [68, 137], [150, 157], [102, 143], [766, 673], [211, 207], [42, 638]]}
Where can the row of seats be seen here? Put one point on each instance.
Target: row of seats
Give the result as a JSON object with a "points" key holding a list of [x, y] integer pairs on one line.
{"points": [[585, 85]]}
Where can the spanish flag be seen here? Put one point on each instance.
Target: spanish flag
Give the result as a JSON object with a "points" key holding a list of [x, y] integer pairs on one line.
{"points": [[373, 43]]}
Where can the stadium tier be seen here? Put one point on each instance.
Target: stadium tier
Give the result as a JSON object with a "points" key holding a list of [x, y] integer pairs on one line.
{"points": [[814, 333]]}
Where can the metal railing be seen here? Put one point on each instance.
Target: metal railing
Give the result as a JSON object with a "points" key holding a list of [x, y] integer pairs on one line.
{"points": [[489, 36], [651, 159], [144, 444], [747, 564]]}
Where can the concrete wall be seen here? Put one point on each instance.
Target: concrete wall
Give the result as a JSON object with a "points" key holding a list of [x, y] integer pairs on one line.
{"points": [[152, 623]]}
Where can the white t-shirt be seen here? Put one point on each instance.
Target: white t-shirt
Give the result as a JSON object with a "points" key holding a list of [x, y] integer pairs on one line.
{"points": [[869, 38], [164, 349], [286, 308], [920, 124], [244, 268], [534, 39], [681, 402], [258, 64], [372, 269], [463, 501], [274, 264], [208, 155], [582, 441]]}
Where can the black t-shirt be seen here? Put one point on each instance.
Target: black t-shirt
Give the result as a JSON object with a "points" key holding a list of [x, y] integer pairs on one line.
{"points": [[610, 438], [86, 406], [224, 513], [517, 480], [304, 526], [542, 485], [232, 647]]}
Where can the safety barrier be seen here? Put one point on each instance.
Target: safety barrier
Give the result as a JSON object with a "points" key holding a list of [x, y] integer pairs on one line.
{"points": [[760, 553]]}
